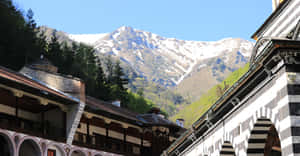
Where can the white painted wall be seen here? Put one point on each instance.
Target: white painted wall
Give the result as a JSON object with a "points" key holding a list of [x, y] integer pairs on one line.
{"points": [[245, 113], [285, 22]]}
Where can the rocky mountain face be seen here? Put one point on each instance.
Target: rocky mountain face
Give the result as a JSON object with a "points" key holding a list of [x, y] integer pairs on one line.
{"points": [[188, 67]]}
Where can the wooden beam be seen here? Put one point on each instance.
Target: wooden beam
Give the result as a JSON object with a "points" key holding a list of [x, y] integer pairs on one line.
{"points": [[43, 123], [88, 130], [17, 111]]}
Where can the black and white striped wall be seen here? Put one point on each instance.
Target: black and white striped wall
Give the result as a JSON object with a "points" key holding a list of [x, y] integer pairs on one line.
{"points": [[244, 131]]}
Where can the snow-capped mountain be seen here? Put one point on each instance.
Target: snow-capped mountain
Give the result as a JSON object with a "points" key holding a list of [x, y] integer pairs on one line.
{"points": [[89, 39], [169, 61]]}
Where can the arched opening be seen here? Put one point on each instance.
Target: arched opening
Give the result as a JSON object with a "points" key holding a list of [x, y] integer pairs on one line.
{"points": [[227, 149], [77, 153], [55, 150], [264, 139], [273, 146], [29, 147], [6, 147]]}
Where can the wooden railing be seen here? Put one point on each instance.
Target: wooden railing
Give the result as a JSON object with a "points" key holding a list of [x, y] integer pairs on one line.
{"points": [[34, 128], [104, 143]]}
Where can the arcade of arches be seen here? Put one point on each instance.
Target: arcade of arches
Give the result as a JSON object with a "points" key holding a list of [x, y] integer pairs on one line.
{"points": [[264, 141], [32, 147]]}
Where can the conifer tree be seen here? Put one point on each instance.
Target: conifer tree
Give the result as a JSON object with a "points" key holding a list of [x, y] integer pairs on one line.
{"points": [[109, 69], [103, 91], [119, 77], [119, 90], [21, 42]]}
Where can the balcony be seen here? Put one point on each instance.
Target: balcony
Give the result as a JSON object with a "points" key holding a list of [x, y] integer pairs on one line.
{"points": [[107, 144], [44, 130]]}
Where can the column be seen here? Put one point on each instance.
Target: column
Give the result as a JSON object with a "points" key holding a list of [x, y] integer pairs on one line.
{"points": [[17, 112], [106, 136], [142, 141], [124, 139], [43, 123], [64, 130], [88, 131]]}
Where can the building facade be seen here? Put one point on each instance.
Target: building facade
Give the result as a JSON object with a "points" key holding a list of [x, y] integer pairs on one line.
{"points": [[44, 113], [259, 115]]}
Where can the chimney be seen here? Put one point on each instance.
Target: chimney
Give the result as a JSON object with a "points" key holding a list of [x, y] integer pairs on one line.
{"points": [[43, 64], [45, 72], [180, 122]]}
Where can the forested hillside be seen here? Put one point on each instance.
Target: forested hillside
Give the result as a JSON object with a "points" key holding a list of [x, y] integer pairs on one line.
{"points": [[195, 110], [21, 42]]}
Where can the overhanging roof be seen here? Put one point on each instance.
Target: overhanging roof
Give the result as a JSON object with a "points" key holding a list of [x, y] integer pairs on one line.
{"points": [[19, 81]]}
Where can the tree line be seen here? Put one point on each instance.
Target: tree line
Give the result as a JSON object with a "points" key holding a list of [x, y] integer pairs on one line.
{"points": [[21, 43]]}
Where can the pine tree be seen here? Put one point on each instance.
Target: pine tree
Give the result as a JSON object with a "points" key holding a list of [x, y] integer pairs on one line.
{"points": [[18, 40], [22, 42], [54, 51], [103, 91], [119, 90], [109, 69], [119, 77]]}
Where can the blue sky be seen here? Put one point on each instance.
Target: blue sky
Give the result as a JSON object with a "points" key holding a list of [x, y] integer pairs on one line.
{"points": [[202, 20]]}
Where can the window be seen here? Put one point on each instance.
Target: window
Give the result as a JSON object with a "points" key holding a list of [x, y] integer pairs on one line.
{"points": [[51, 152]]}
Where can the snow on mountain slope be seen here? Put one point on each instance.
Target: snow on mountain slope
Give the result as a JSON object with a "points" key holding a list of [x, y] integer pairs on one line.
{"points": [[167, 61], [86, 38]]}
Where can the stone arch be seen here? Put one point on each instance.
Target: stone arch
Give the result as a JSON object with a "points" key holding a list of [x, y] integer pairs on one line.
{"points": [[264, 138], [7, 146], [58, 149], [77, 152], [227, 149], [263, 112], [98, 154], [29, 146]]}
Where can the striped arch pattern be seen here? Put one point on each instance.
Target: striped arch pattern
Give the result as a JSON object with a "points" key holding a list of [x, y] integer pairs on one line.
{"points": [[227, 149], [259, 134], [263, 113]]}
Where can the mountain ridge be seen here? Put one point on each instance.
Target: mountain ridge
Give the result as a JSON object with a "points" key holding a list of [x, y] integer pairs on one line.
{"points": [[172, 73], [176, 57]]}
